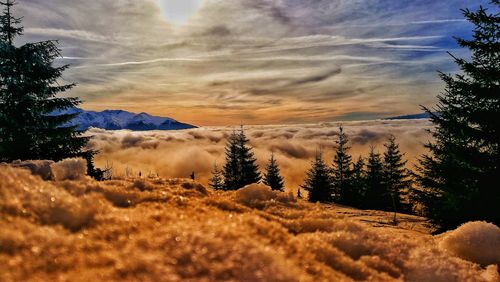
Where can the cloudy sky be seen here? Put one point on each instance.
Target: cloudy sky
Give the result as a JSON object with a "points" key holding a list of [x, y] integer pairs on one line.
{"points": [[220, 62]]}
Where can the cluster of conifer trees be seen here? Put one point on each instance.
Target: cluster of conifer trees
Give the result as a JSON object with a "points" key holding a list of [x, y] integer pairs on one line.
{"points": [[241, 169], [377, 182]]}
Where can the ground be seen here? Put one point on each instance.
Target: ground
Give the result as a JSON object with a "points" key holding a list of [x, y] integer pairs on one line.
{"points": [[72, 228]]}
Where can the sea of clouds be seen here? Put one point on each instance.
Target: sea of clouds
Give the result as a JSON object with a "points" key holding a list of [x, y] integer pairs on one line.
{"points": [[179, 153]]}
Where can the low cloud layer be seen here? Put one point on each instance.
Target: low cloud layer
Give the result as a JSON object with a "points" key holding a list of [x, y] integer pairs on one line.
{"points": [[178, 153]]}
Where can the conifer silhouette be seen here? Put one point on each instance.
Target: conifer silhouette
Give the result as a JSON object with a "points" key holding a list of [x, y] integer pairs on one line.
{"points": [[396, 176], [459, 177], [240, 168], [273, 178], [341, 171], [318, 183], [376, 192], [217, 181], [29, 94]]}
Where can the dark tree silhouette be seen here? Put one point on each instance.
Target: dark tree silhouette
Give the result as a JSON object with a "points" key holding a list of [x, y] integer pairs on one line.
{"points": [[358, 183], [29, 88], [232, 168], [299, 194], [459, 178], [376, 192], [249, 169], [318, 182], [273, 178], [217, 180], [240, 168], [396, 176], [341, 171]]}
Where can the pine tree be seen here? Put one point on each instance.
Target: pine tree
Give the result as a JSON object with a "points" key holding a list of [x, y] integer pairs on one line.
{"points": [[459, 178], [29, 89], [341, 171], [240, 169], [273, 178], [358, 182], [216, 182], [376, 193], [318, 182], [249, 169], [232, 168], [396, 176]]}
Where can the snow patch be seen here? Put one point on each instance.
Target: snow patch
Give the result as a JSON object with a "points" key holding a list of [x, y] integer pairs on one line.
{"points": [[478, 242], [258, 195], [69, 169]]}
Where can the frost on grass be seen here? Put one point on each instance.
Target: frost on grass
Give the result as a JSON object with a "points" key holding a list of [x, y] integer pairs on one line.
{"points": [[177, 230]]}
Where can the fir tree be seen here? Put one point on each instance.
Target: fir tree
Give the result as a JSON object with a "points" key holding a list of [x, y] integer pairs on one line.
{"points": [[376, 193], [396, 176], [232, 168], [273, 178], [341, 171], [216, 182], [29, 89], [459, 178], [358, 182], [240, 168], [318, 182], [249, 169]]}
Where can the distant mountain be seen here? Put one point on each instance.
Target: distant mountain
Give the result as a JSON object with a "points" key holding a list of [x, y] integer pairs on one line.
{"points": [[118, 119], [416, 116]]}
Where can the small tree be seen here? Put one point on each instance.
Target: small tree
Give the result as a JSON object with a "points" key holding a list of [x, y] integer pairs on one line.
{"points": [[318, 182], [273, 178], [358, 183], [240, 168], [232, 168], [249, 169], [396, 176], [459, 178], [376, 194], [341, 171], [216, 182]]}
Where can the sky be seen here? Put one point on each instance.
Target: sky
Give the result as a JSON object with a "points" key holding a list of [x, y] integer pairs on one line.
{"points": [[215, 62]]}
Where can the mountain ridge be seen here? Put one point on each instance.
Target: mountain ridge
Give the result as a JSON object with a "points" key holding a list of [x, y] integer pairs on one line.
{"points": [[120, 119]]}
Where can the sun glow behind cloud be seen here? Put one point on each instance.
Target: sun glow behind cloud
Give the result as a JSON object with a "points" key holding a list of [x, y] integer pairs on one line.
{"points": [[178, 11]]}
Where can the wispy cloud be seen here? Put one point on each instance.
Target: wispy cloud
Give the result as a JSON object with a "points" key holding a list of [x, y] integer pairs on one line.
{"points": [[263, 61]]}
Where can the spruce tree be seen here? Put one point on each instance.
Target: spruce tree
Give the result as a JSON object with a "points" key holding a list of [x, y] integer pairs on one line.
{"points": [[273, 178], [459, 178], [396, 176], [358, 182], [249, 169], [240, 169], [318, 181], [29, 89], [232, 168], [376, 193], [341, 171], [216, 182]]}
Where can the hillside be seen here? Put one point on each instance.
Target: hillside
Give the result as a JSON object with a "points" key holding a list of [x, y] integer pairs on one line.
{"points": [[75, 229]]}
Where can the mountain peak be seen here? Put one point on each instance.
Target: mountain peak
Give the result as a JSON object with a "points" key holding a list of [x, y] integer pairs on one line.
{"points": [[120, 119]]}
